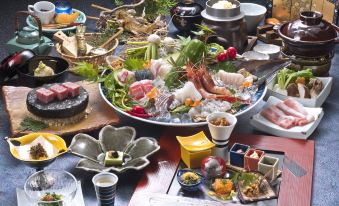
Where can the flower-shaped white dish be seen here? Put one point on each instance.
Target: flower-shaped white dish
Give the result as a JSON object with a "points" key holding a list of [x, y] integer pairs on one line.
{"points": [[297, 132], [117, 139], [314, 102]]}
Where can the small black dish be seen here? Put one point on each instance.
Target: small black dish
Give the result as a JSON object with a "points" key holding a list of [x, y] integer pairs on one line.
{"points": [[9, 64], [26, 72], [186, 15]]}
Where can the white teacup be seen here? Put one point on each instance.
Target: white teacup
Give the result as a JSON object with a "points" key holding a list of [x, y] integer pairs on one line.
{"points": [[221, 134], [44, 10]]}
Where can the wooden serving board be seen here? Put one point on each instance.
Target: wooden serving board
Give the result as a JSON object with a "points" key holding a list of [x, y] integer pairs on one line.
{"points": [[101, 114], [294, 190]]}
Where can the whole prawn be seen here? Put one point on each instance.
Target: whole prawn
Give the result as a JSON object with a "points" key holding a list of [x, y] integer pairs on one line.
{"points": [[194, 77], [209, 84]]}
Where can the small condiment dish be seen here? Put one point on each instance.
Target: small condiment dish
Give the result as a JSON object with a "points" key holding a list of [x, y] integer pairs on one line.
{"points": [[221, 134], [189, 187], [26, 72], [53, 144], [268, 166], [237, 158], [251, 163]]}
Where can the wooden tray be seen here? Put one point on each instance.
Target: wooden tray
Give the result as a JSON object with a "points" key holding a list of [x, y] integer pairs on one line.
{"points": [[101, 114], [294, 190]]}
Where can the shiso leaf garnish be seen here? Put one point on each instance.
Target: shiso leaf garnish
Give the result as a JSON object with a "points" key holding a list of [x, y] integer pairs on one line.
{"points": [[29, 124]]}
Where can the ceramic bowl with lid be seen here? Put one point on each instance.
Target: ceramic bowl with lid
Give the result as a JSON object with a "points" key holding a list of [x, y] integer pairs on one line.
{"points": [[186, 15], [309, 36]]}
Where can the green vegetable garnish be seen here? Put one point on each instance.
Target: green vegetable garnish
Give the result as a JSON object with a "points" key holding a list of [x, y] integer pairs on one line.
{"points": [[247, 178], [51, 197], [29, 124], [134, 64], [286, 76], [181, 109], [227, 66], [86, 70]]}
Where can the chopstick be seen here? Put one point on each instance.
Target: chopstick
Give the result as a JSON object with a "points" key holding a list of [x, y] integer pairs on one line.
{"points": [[100, 7], [51, 26], [93, 17]]}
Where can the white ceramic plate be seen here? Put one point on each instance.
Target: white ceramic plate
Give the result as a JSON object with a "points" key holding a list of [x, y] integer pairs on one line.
{"points": [[316, 102], [299, 132], [23, 201]]}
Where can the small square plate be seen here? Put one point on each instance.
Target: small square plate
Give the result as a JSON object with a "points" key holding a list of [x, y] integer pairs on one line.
{"points": [[196, 142], [23, 201], [314, 102], [298, 132]]}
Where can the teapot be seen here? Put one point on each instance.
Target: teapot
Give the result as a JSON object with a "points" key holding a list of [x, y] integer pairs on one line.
{"points": [[29, 38]]}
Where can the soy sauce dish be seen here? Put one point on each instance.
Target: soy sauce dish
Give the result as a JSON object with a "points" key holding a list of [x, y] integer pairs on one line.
{"points": [[58, 65]]}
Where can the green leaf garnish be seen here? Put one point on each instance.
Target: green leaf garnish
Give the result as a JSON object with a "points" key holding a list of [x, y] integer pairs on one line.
{"points": [[30, 124]]}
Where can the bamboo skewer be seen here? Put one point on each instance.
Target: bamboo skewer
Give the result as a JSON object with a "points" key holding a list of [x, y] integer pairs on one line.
{"points": [[111, 38], [92, 17], [100, 7]]}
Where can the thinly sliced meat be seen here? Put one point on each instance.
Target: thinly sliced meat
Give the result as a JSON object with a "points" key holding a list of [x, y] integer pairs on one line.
{"points": [[281, 113], [304, 117], [285, 122], [296, 106], [289, 111]]}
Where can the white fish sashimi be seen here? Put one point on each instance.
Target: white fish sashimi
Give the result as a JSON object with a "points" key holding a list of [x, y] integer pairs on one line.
{"points": [[228, 78], [187, 91], [160, 68]]}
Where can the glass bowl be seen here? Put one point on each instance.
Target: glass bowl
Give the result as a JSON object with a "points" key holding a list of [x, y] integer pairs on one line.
{"points": [[53, 182]]}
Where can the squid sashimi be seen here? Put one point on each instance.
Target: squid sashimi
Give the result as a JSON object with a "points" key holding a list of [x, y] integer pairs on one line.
{"points": [[228, 78], [283, 121], [160, 68], [187, 91], [139, 89]]}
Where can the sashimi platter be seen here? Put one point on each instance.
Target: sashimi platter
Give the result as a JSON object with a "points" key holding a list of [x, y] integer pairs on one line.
{"points": [[178, 82]]}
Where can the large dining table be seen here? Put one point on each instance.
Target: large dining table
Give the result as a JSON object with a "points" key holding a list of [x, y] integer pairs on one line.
{"points": [[13, 173]]}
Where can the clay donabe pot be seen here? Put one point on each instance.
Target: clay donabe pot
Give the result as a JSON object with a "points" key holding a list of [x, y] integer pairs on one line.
{"points": [[309, 36], [186, 15]]}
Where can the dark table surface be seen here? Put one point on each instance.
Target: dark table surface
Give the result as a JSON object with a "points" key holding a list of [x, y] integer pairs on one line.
{"points": [[13, 173]]}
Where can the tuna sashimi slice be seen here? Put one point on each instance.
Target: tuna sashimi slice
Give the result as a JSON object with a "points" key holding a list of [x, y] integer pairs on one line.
{"points": [[44, 95], [60, 91], [73, 89], [284, 121], [139, 89]]}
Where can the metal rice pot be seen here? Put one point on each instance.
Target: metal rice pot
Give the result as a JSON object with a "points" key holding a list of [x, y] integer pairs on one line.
{"points": [[229, 25]]}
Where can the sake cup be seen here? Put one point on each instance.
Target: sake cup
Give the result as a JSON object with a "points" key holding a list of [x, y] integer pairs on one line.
{"points": [[105, 188]]}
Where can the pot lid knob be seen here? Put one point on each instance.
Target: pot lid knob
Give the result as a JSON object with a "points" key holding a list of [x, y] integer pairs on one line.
{"points": [[311, 17]]}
